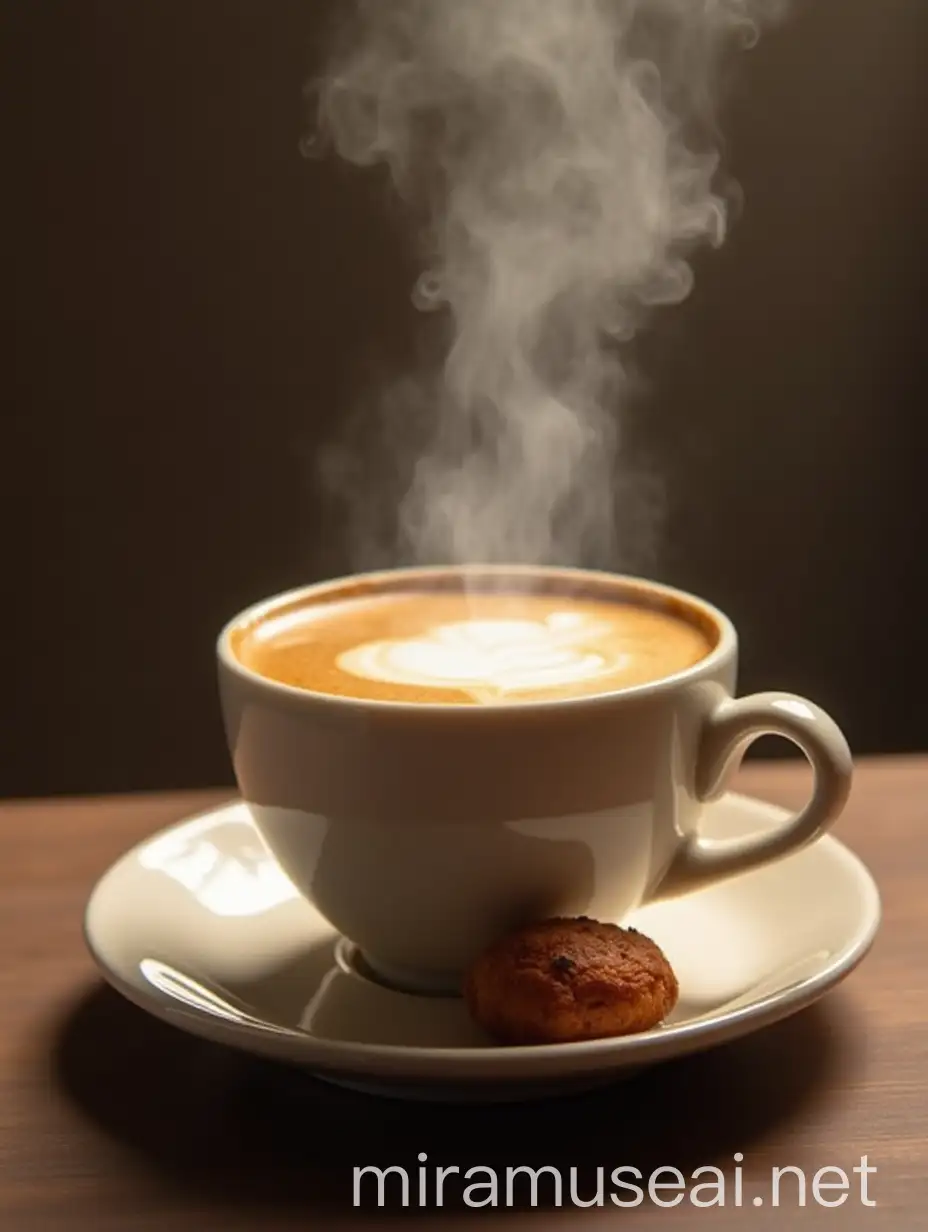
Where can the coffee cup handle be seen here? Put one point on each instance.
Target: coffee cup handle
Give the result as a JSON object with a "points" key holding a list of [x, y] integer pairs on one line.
{"points": [[728, 730]]}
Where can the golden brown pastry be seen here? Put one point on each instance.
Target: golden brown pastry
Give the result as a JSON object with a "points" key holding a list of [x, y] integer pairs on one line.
{"points": [[570, 979]]}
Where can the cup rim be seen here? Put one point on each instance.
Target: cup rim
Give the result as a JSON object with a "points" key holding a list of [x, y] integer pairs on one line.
{"points": [[725, 645]]}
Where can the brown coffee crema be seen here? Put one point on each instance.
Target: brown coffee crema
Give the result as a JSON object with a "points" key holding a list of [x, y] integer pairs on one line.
{"points": [[440, 646]]}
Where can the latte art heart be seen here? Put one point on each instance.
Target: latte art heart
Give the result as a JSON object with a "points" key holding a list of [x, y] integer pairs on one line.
{"points": [[490, 658]]}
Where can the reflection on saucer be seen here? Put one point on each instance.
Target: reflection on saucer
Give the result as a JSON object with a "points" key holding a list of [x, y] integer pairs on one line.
{"points": [[347, 1006], [190, 992], [231, 873]]}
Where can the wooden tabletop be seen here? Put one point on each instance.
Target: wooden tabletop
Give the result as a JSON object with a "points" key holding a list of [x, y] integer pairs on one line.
{"points": [[112, 1120]]}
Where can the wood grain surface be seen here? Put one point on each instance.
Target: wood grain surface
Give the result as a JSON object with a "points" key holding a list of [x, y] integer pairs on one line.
{"points": [[111, 1120]]}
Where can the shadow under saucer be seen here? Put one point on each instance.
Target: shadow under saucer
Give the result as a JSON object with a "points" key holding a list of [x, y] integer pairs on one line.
{"points": [[236, 1130]]}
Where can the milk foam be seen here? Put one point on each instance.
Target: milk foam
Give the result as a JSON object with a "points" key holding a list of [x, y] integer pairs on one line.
{"points": [[491, 658]]}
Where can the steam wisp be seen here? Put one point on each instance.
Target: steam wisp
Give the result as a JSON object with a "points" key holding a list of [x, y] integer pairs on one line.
{"points": [[560, 163]]}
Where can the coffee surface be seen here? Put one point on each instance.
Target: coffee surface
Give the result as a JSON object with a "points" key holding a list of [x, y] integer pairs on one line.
{"points": [[452, 648]]}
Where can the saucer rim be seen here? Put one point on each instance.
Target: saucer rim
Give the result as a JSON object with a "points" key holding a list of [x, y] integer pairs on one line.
{"points": [[503, 1061]]}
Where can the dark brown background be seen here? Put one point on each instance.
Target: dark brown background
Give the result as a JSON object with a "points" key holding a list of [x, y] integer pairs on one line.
{"points": [[191, 306]]}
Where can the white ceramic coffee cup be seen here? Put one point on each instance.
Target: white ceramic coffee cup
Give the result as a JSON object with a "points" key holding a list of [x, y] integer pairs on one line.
{"points": [[424, 831]]}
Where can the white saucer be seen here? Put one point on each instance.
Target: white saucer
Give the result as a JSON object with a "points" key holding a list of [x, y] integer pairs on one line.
{"points": [[199, 926]]}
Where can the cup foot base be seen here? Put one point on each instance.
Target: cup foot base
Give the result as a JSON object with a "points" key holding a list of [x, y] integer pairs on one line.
{"points": [[408, 979]]}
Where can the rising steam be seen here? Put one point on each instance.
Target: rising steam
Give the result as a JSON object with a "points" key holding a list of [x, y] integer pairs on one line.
{"points": [[558, 158]]}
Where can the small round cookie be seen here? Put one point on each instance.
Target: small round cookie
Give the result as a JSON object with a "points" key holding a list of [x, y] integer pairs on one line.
{"points": [[564, 980]]}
